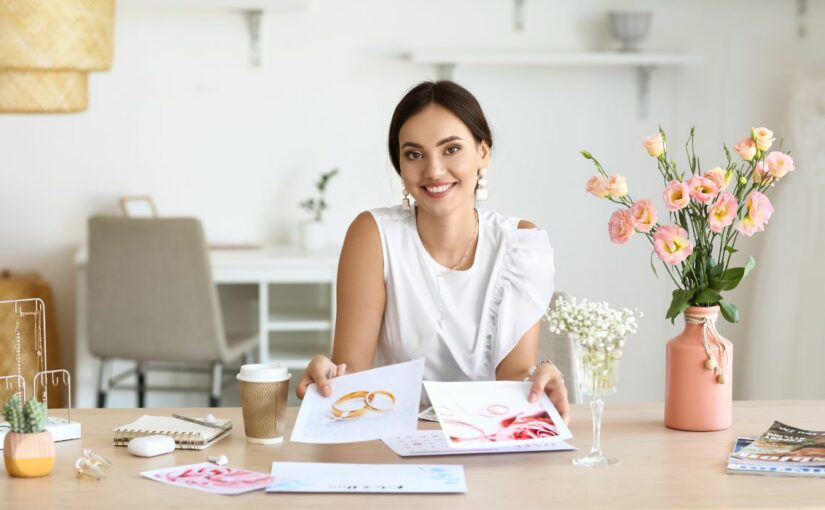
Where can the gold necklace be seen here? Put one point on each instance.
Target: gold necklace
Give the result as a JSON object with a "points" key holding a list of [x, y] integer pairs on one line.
{"points": [[466, 251]]}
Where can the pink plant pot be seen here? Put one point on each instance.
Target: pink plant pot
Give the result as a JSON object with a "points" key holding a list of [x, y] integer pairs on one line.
{"points": [[694, 399]]}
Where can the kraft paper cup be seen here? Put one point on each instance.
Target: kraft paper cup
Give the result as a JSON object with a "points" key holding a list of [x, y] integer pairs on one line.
{"points": [[264, 394]]}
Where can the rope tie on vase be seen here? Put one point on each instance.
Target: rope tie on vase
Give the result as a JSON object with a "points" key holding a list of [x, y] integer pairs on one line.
{"points": [[709, 330]]}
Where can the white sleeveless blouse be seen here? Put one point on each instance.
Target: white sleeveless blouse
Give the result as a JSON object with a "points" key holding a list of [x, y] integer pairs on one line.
{"points": [[464, 323]]}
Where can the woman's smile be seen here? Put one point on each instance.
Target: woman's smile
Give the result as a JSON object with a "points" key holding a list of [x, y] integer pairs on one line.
{"points": [[438, 189]]}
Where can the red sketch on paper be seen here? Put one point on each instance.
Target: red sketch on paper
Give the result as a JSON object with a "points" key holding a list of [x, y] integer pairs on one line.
{"points": [[216, 477], [533, 423]]}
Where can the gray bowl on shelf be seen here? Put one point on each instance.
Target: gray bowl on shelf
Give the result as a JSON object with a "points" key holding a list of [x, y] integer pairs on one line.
{"points": [[630, 27]]}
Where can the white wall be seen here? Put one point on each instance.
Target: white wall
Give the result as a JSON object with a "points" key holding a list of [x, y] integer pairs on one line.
{"points": [[184, 118]]}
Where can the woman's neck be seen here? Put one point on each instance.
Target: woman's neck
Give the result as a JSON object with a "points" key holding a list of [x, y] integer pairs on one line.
{"points": [[448, 238]]}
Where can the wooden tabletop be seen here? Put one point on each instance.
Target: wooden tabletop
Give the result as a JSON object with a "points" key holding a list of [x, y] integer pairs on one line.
{"points": [[659, 468]]}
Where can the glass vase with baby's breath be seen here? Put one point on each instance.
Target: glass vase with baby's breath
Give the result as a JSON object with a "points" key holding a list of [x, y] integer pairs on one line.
{"points": [[598, 334]]}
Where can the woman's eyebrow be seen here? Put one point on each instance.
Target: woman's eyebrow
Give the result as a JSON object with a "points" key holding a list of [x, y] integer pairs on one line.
{"points": [[441, 142]]}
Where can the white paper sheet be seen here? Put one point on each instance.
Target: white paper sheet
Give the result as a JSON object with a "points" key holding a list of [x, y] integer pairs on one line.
{"points": [[317, 423], [387, 478], [433, 443], [494, 414], [209, 477]]}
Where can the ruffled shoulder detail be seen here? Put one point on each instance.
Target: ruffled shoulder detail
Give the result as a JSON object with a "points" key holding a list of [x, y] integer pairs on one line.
{"points": [[520, 291]]}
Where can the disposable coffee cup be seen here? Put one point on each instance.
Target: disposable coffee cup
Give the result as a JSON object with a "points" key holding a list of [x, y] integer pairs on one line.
{"points": [[264, 393]]}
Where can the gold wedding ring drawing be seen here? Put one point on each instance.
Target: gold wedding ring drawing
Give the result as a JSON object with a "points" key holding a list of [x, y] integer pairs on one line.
{"points": [[369, 404]]}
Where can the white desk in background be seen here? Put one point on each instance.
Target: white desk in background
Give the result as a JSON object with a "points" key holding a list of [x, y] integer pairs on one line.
{"points": [[261, 272]]}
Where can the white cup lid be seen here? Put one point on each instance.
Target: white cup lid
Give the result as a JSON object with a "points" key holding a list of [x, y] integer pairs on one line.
{"points": [[264, 372]]}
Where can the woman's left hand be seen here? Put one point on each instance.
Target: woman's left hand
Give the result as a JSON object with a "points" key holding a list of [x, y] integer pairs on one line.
{"points": [[548, 378]]}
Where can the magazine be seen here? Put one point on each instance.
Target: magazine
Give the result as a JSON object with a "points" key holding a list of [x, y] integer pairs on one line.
{"points": [[752, 467], [784, 445]]}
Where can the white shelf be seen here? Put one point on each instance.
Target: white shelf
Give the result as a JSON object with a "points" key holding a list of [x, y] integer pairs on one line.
{"points": [[445, 62], [240, 5], [300, 320], [547, 58], [294, 360]]}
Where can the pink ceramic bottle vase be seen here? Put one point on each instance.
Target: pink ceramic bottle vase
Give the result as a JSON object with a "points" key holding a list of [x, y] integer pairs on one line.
{"points": [[699, 375]]}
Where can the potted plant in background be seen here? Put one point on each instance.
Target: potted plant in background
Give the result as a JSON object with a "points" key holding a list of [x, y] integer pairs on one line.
{"points": [[313, 232], [707, 212], [28, 449]]}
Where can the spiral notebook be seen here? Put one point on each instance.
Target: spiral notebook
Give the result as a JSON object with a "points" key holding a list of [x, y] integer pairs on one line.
{"points": [[187, 435]]}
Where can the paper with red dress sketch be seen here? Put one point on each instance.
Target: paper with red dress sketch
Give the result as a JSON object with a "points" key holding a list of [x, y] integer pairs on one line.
{"points": [[209, 477], [492, 414]]}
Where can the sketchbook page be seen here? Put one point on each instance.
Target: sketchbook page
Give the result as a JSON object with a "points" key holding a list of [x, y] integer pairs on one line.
{"points": [[372, 478], [363, 406], [489, 414], [433, 443]]}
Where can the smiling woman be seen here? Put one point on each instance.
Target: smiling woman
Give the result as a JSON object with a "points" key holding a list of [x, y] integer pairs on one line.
{"points": [[463, 287]]}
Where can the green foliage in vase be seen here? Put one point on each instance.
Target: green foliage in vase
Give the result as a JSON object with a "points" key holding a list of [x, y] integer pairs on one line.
{"points": [[317, 206]]}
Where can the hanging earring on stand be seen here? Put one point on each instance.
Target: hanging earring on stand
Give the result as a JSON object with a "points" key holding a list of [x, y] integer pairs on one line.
{"points": [[481, 186], [405, 202]]}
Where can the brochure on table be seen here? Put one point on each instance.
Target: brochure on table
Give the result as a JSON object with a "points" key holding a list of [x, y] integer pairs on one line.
{"points": [[209, 477], [494, 414], [423, 443], [372, 478], [363, 406]]}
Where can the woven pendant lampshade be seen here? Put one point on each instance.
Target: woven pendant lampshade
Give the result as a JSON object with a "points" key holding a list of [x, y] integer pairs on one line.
{"points": [[47, 48], [43, 91]]}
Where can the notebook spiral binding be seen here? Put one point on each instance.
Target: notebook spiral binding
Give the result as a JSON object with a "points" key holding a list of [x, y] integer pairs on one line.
{"points": [[183, 440]]}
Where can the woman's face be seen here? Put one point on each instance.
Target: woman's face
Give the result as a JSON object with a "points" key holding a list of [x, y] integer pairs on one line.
{"points": [[440, 160]]}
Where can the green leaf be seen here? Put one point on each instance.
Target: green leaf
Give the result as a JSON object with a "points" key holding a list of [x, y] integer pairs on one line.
{"points": [[652, 266], [749, 265], [708, 297], [730, 249], [729, 311], [680, 302]]}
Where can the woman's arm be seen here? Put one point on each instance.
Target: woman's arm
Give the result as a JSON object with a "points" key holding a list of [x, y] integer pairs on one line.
{"points": [[361, 295], [360, 299]]}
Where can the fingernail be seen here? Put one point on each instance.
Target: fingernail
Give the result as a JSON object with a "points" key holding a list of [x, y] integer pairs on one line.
{"points": [[532, 397]]}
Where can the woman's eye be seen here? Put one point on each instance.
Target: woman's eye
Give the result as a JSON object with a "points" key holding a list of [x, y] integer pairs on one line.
{"points": [[413, 155], [452, 149]]}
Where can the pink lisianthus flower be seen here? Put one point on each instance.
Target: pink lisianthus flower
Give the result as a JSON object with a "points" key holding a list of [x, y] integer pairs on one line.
{"points": [[759, 212], [597, 186], [643, 215], [760, 173], [719, 177], [746, 148], [654, 145], [722, 212], [779, 164], [702, 189], [671, 244], [617, 186], [763, 137], [676, 195], [620, 226]]}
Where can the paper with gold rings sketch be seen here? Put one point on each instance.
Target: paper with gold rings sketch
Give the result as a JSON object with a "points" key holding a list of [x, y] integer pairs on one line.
{"points": [[363, 406]]}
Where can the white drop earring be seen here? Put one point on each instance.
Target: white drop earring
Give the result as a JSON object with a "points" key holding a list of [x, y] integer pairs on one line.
{"points": [[481, 186], [405, 202]]}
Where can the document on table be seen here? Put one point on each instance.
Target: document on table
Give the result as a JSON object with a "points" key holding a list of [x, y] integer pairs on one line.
{"points": [[363, 406], [208, 477], [494, 414], [387, 478], [424, 443]]}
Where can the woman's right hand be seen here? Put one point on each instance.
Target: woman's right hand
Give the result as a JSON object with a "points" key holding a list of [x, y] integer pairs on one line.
{"points": [[319, 371]]}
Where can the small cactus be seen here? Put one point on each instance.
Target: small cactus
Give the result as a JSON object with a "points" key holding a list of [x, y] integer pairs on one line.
{"points": [[28, 418]]}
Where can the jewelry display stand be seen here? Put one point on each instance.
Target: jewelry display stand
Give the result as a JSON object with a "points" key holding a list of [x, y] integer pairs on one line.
{"points": [[60, 428]]}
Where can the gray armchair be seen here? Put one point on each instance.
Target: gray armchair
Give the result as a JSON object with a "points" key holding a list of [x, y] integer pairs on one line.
{"points": [[152, 299]]}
